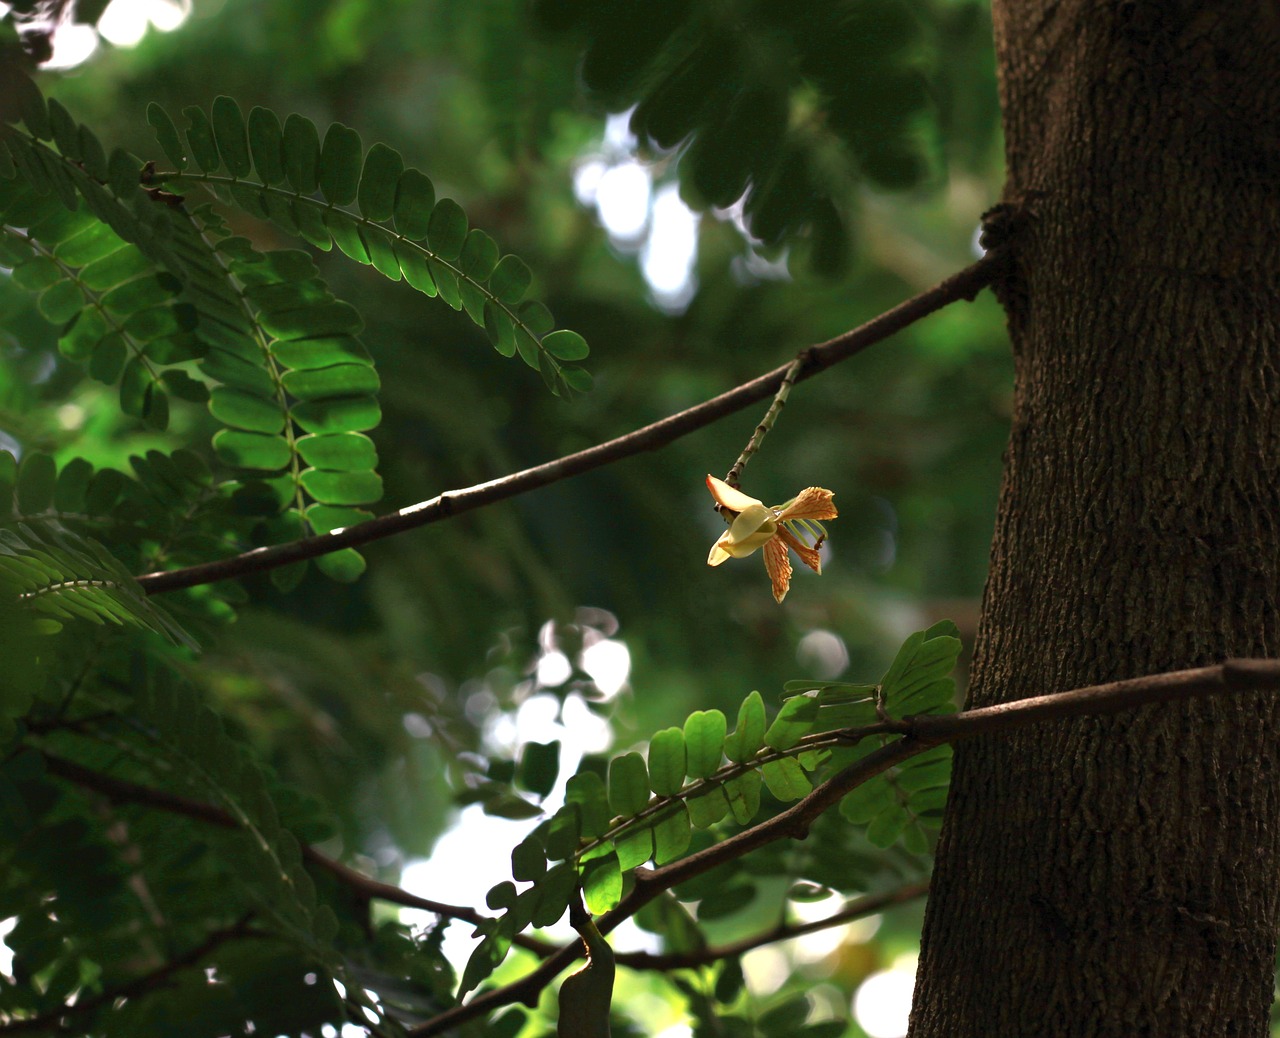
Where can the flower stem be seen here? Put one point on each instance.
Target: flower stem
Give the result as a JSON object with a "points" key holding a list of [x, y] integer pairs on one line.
{"points": [[766, 423]]}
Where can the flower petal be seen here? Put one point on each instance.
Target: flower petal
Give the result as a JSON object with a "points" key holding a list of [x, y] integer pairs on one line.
{"points": [[729, 497], [810, 503], [718, 551], [754, 523], [778, 566], [811, 557]]}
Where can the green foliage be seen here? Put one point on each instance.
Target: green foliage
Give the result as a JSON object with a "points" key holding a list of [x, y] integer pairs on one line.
{"points": [[399, 227], [62, 576], [778, 108], [610, 828]]}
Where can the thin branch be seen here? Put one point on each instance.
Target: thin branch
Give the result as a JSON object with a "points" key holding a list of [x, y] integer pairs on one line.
{"points": [[766, 423], [122, 791], [863, 906], [53, 1020], [918, 734], [965, 284]]}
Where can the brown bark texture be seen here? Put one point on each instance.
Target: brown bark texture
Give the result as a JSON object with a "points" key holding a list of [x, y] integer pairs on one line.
{"points": [[1120, 875]]}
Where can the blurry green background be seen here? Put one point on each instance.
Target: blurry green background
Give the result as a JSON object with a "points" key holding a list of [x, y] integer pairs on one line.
{"points": [[593, 593]]}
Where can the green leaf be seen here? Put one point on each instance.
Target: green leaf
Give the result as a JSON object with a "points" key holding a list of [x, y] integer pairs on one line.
{"points": [[37, 477], [528, 862], [324, 518], [479, 255], [342, 488], [566, 345], [378, 182], [748, 736], [37, 273], [554, 893], [346, 234], [380, 245], [251, 450], [447, 230], [667, 762], [339, 452], [786, 779], [93, 160], [634, 849], [340, 165], [586, 789], [416, 269], [887, 826], [30, 103], [345, 565], [500, 329], [266, 145], [708, 809], [229, 131], [345, 414], [415, 199], [302, 154], [64, 129], [628, 785], [743, 794], [792, 723], [704, 742], [167, 136], [120, 266], [123, 172], [562, 833], [146, 291], [602, 883], [508, 805], [108, 359], [241, 410], [201, 144], [501, 895], [336, 380], [71, 486], [671, 835], [539, 767], [320, 352], [484, 960], [511, 280], [95, 242], [60, 302], [862, 804], [446, 282]]}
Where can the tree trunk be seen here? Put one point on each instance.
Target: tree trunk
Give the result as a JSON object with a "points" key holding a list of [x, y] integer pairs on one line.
{"points": [[1120, 875]]}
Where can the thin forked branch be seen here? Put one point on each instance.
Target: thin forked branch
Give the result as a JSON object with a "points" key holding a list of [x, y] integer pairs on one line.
{"points": [[965, 284]]}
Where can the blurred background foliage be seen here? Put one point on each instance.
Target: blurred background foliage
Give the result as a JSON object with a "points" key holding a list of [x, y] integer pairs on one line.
{"points": [[868, 134]]}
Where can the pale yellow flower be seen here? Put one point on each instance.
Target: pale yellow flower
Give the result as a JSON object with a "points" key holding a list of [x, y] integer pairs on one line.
{"points": [[755, 525]]}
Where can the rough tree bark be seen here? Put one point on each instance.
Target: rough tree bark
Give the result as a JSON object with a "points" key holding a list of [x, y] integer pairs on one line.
{"points": [[1121, 875]]}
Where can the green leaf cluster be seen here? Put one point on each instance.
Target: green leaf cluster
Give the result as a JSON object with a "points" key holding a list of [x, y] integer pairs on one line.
{"points": [[116, 313], [378, 212], [651, 807]]}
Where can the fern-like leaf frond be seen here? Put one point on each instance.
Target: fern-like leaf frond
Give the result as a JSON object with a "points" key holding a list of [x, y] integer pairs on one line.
{"points": [[66, 576], [377, 211]]}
